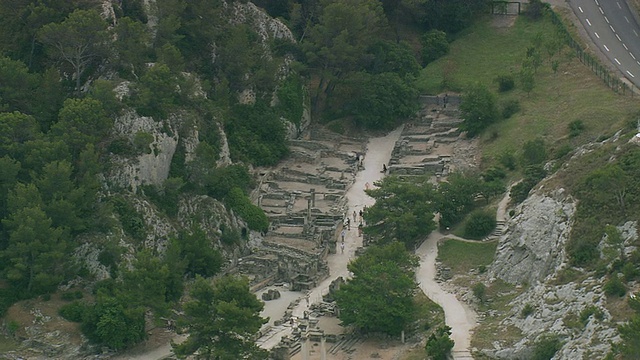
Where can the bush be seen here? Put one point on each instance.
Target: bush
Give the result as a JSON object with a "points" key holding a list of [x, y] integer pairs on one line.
{"points": [[494, 173], [546, 348], [586, 313], [562, 151], [480, 224], [254, 216], [505, 83], [508, 160], [142, 142], [434, 46], [534, 152], [615, 287], [527, 310], [509, 108], [112, 323], [630, 271], [439, 344], [575, 128], [480, 291], [71, 295], [73, 311]]}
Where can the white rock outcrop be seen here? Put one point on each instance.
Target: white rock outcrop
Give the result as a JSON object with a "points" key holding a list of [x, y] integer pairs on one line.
{"points": [[151, 168], [533, 247]]}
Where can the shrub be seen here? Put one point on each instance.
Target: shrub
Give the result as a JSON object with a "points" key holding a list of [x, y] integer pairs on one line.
{"points": [[73, 311], [434, 46], [527, 310], [534, 152], [505, 83], [575, 128], [112, 323], [546, 348], [615, 287], [142, 142], [439, 344], [562, 151], [480, 291], [630, 271], [586, 313], [508, 160], [494, 173], [121, 146], [509, 108], [480, 224], [71, 295], [254, 216]]}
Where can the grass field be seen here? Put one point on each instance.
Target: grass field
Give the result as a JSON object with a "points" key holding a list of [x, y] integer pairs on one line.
{"points": [[462, 256], [557, 99]]}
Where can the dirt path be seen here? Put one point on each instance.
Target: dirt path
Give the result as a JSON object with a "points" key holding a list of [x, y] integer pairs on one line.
{"points": [[458, 315]]}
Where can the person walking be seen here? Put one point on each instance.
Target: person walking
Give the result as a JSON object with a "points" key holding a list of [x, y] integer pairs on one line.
{"points": [[354, 216], [343, 234], [342, 247]]}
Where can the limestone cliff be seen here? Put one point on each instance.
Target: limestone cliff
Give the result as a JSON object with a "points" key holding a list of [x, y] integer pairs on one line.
{"points": [[533, 246]]}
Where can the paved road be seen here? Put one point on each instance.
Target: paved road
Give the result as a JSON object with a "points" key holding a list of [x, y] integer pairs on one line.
{"points": [[615, 31]]}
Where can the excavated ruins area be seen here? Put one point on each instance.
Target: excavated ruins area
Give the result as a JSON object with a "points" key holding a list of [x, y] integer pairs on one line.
{"points": [[305, 199]]}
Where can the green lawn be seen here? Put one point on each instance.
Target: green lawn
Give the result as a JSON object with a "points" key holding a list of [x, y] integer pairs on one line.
{"points": [[463, 256], [573, 93]]}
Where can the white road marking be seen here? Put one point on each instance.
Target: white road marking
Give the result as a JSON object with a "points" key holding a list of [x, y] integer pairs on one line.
{"points": [[588, 22], [626, 18], [606, 19], [632, 56], [618, 36], [619, 7], [605, 47], [612, 29], [580, 9], [597, 2], [601, 11], [598, 36], [616, 60], [635, 32], [625, 46], [628, 72]]}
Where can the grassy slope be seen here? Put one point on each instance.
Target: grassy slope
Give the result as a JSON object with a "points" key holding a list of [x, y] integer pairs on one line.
{"points": [[462, 257], [574, 93]]}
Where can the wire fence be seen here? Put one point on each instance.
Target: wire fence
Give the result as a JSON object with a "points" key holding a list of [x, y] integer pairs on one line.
{"points": [[611, 79]]}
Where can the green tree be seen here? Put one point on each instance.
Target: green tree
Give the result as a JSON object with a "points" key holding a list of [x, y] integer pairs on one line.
{"points": [[458, 194], [337, 44], [434, 46], [439, 344], [82, 122], [198, 252], [480, 224], [16, 129], [630, 331], [392, 57], [112, 322], [376, 101], [33, 256], [78, 41], [131, 46], [403, 210], [145, 285], [221, 320], [479, 109], [379, 296]]}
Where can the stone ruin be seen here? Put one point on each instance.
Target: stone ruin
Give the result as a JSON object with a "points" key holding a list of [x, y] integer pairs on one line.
{"points": [[304, 198]]}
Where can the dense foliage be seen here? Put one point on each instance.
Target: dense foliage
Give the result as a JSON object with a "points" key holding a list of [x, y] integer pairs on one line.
{"points": [[221, 320], [379, 296]]}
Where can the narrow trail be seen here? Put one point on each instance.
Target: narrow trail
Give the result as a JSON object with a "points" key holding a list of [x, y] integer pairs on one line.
{"points": [[459, 316]]}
